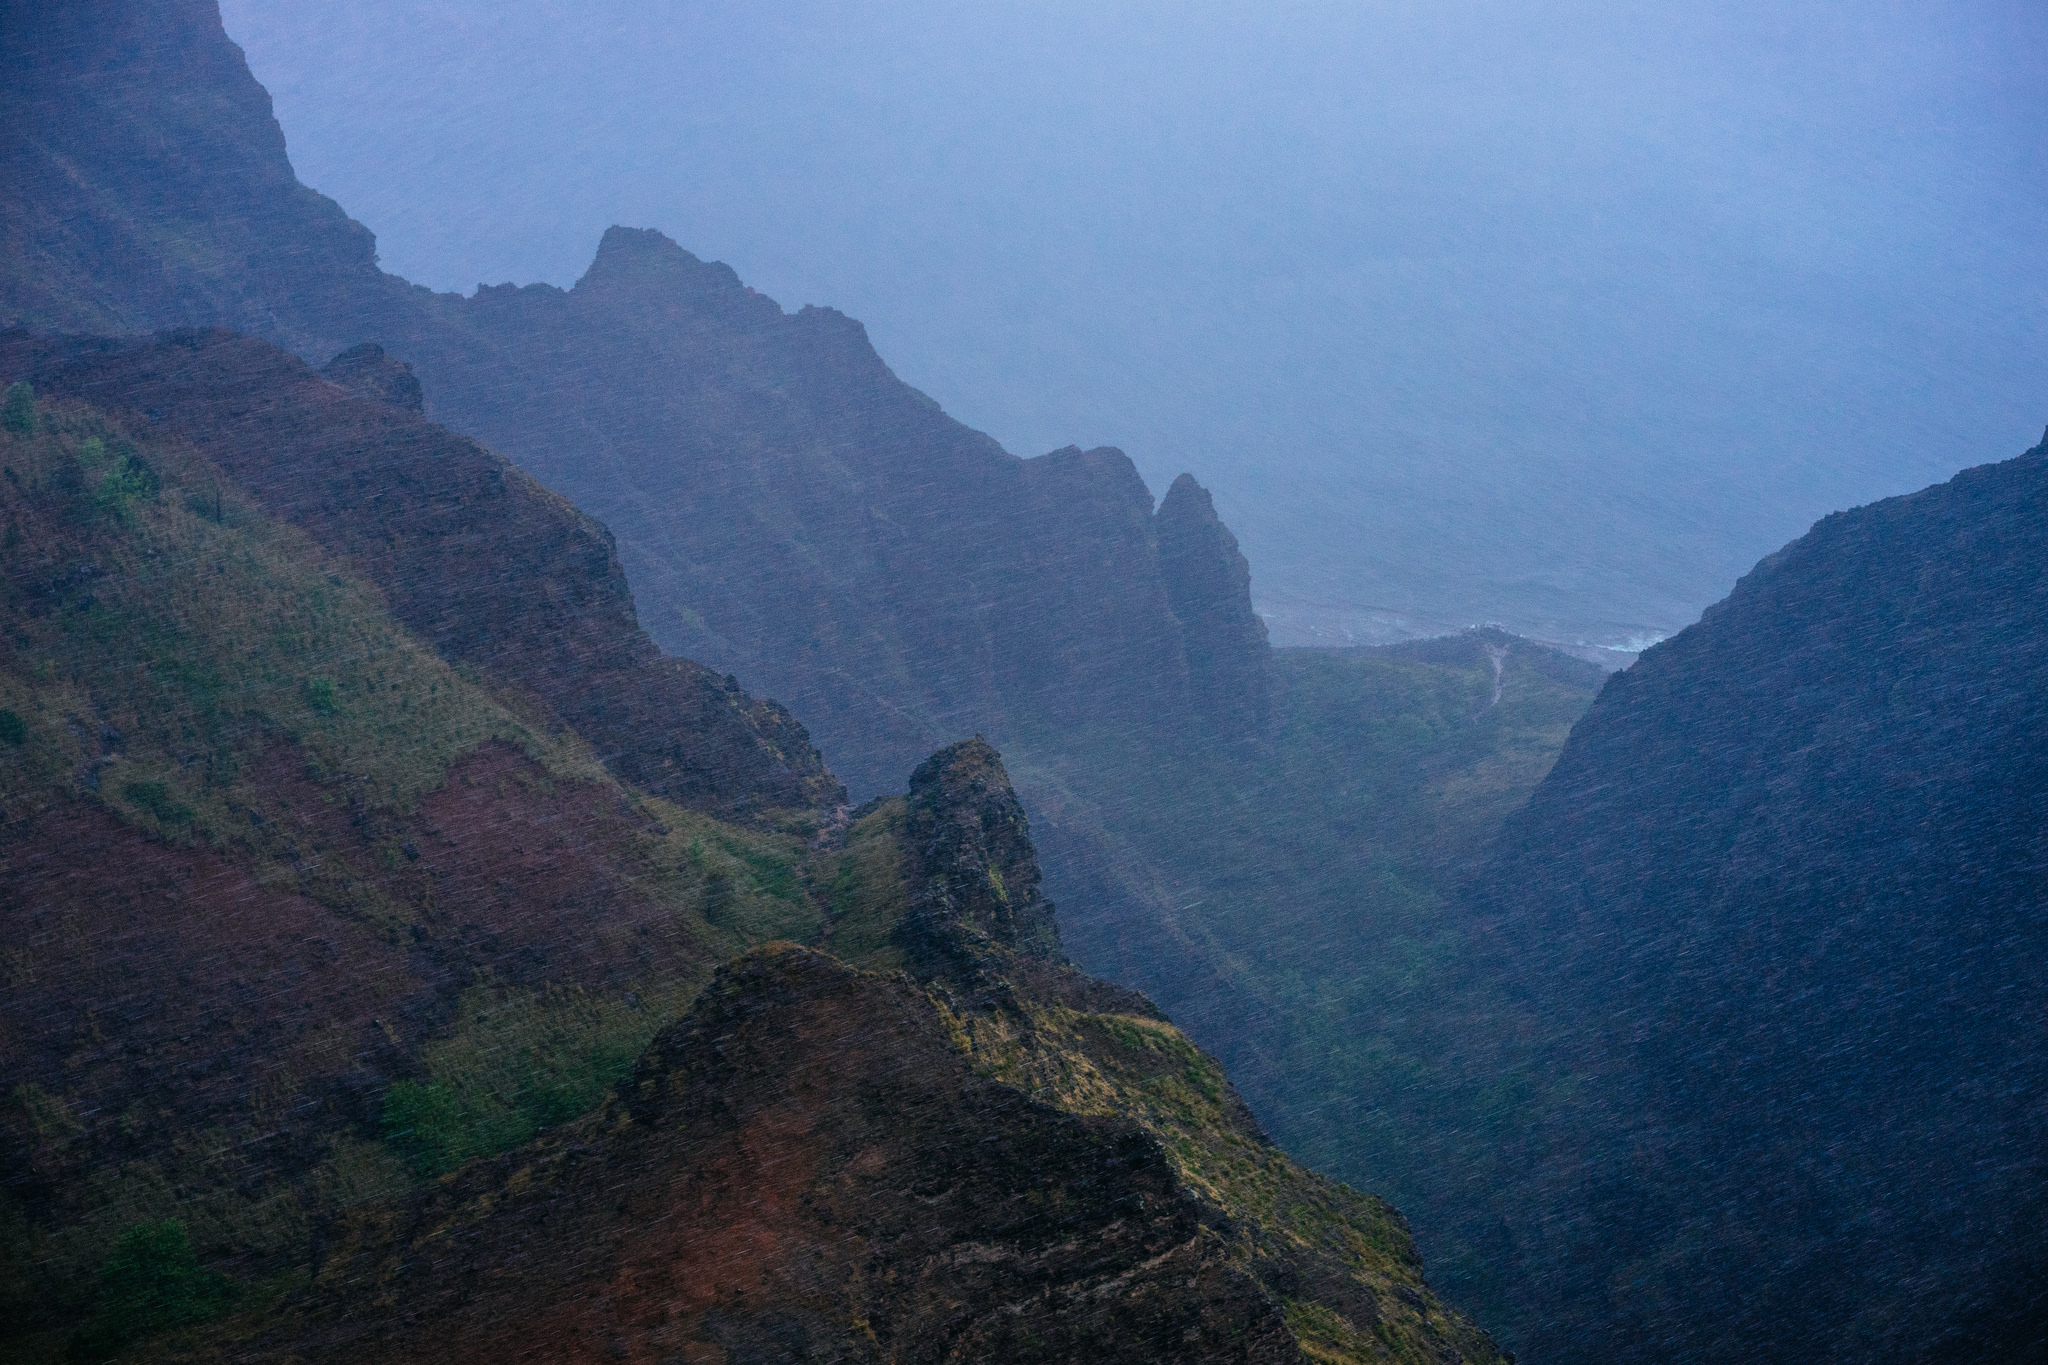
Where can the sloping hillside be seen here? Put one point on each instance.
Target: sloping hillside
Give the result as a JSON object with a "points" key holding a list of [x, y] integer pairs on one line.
{"points": [[474, 558], [1780, 912], [270, 866], [340, 1005], [990, 1157]]}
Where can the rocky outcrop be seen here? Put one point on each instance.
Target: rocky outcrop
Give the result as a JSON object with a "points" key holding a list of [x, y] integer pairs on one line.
{"points": [[813, 1170], [969, 866], [825, 1163], [486, 566], [1209, 586], [373, 374], [1784, 903]]}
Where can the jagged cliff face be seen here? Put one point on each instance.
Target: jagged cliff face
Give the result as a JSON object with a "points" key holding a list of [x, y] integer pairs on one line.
{"points": [[1209, 586], [789, 510], [146, 186], [1781, 906], [786, 508]]}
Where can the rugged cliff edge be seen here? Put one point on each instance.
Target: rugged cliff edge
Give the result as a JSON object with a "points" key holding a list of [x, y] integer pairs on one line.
{"points": [[788, 509], [327, 947]]}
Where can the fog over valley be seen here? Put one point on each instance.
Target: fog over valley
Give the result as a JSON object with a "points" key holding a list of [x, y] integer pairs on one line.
{"points": [[1559, 317]]}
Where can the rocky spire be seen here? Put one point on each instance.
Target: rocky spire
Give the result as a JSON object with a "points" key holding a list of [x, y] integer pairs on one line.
{"points": [[969, 867], [1209, 586]]}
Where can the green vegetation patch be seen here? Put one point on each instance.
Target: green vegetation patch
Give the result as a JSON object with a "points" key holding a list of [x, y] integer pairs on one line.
{"points": [[521, 1062], [18, 411], [867, 895], [115, 478], [155, 799], [1329, 1338], [152, 1281], [518, 1061], [160, 654]]}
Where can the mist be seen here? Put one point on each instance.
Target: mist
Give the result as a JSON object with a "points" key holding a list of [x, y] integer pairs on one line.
{"points": [[551, 822], [1556, 318]]}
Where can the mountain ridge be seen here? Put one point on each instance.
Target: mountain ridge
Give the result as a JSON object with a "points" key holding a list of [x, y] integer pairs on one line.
{"points": [[851, 489], [323, 939], [837, 542], [1790, 867], [440, 524]]}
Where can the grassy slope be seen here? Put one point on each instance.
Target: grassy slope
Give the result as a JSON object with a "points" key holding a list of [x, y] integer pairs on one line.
{"points": [[161, 644], [1133, 1067]]}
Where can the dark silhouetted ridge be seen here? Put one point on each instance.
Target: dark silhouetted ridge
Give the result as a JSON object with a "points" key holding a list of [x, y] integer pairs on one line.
{"points": [[1782, 905]]}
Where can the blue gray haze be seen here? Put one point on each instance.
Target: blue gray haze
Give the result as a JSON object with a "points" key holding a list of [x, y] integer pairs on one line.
{"points": [[1558, 316]]}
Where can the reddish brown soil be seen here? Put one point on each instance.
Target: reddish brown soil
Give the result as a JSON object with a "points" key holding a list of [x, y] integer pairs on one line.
{"points": [[161, 991], [510, 870], [807, 1169]]}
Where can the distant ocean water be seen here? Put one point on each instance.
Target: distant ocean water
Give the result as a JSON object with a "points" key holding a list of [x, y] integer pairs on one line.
{"points": [[1340, 625]]}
